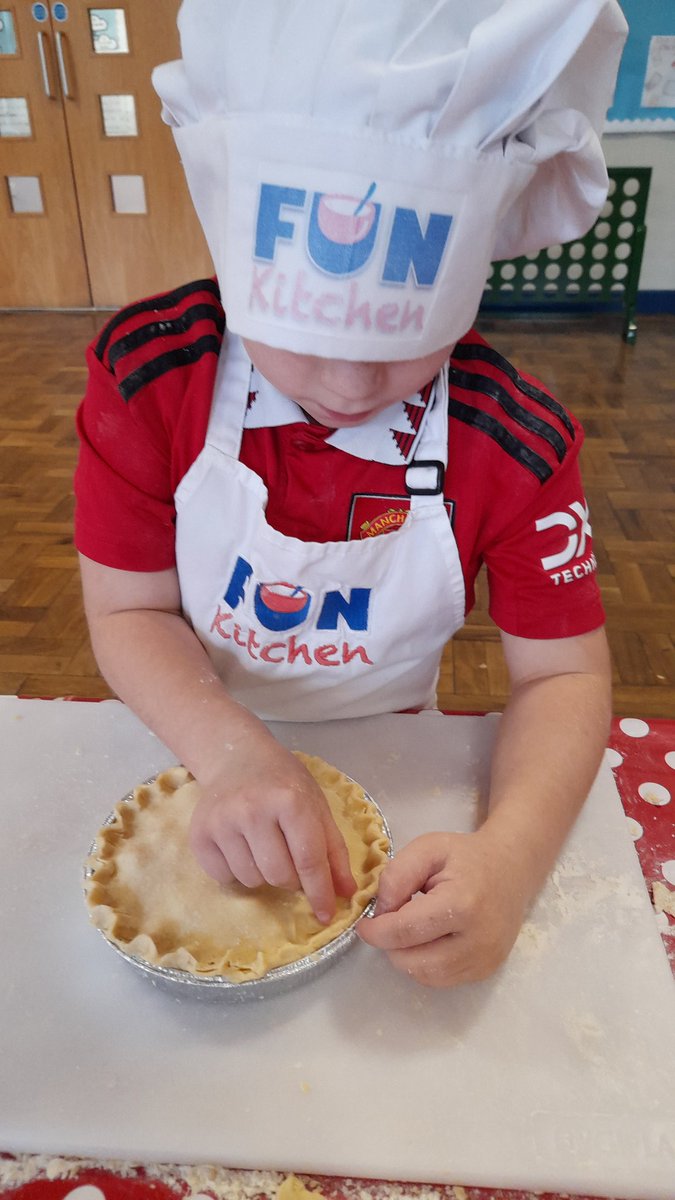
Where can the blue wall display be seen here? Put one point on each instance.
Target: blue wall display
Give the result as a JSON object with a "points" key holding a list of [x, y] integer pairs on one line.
{"points": [[645, 93], [7, 33]]}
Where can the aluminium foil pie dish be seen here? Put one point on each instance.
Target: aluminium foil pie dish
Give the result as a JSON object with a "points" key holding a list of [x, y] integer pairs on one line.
{"points": [[157, 908]]}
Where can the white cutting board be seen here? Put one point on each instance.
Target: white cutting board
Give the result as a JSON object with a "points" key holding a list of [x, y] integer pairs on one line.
{"points": [[556, 1074]]}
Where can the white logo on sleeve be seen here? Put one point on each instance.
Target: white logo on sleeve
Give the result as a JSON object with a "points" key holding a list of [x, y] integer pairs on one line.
{"points": [[575, 529]]}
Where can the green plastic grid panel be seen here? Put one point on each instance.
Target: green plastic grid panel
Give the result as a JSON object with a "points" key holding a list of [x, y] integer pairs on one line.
{"points": [[595, 271]]}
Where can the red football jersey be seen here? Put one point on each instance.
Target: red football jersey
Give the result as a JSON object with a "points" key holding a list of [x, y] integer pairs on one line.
{"points": [[512, 487]]}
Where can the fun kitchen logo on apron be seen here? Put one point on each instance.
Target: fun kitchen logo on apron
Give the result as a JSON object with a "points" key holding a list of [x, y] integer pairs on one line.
{"points": [[341, 235], [281, 607]]}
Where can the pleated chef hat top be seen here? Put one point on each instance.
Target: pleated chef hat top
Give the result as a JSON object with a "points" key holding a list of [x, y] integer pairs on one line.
{"points": [[357, 164]]}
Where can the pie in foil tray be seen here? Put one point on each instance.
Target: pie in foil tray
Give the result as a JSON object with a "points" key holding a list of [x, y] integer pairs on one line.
{"points": [[149, 897]]}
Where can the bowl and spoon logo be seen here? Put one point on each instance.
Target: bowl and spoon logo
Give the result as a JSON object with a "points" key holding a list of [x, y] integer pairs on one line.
{"points": [[345, 219]]}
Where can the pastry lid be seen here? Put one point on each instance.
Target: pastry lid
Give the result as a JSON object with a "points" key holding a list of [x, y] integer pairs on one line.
{"points": [[217, 987]]}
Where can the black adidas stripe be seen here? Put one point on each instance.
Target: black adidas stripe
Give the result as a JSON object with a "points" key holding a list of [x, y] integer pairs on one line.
{"points": [[465, 350], [162, 329], [527, 420], [516, 449], [182, 357], [152, 306]]}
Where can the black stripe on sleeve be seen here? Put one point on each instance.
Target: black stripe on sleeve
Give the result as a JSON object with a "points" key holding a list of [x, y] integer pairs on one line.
{"points": [[156, 367], [158, 304], [466, 351], [163, 329], [515, 448], [487, 386]]}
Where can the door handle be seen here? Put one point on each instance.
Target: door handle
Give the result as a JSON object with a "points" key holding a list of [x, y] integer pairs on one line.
{"points": [[65, 84], [46, 82]]}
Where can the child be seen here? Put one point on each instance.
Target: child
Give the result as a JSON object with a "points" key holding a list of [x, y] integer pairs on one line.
{"points": [[284, 519]]}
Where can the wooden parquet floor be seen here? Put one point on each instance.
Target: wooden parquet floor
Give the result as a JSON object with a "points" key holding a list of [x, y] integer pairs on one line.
{"points": [[624, 396]]}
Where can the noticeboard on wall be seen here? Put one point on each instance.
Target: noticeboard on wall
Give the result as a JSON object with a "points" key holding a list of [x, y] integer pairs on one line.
{"points": [[644, 100]]}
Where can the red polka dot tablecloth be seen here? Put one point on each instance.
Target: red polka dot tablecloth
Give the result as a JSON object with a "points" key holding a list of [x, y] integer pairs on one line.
{"points": [[642, 757]]}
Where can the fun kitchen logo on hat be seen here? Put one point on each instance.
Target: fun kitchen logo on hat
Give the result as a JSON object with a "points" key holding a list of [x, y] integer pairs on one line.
{"points": [[309, 246]]}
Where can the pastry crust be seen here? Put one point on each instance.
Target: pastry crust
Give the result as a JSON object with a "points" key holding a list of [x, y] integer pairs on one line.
{"points": [[147, 893]]}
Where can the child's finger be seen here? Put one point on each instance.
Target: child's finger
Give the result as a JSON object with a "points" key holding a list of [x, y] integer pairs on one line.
{"points": [[274, 861], [403, 876], [422, 920], [440, 964], [307, 844], [338, 857], [242, 862], [211, 859]]}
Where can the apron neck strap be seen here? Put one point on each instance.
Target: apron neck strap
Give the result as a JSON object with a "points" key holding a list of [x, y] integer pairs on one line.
{"points": [[230, 397], [425, 475]]}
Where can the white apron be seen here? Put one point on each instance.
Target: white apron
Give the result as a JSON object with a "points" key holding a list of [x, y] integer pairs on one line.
{"points": [[309, 631]]}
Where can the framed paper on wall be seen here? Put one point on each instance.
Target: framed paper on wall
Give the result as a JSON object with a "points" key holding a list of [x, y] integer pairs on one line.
{"points": [[644, 101]]}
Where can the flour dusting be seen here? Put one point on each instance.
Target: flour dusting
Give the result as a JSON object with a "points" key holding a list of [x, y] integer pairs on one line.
{"points": [[187, 1181], [576, 889], [220, 1183], [587, 1035]]}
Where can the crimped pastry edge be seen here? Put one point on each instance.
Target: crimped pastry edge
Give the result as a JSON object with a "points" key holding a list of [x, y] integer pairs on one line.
{"points": [[100, 862]]}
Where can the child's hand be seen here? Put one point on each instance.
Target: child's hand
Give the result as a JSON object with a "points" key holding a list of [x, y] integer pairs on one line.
{"points": [[449, 908], [264, 819]]}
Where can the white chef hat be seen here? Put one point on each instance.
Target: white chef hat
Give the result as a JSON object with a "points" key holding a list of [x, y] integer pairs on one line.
{"points": [[357, 164]]}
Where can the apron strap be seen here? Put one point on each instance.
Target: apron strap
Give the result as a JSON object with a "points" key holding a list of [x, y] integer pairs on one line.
{"points": [[230, 397], [425, 475]]}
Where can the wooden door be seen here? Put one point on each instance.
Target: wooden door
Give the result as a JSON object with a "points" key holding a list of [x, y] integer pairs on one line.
{"points": [[42, 262], [140, 232]]}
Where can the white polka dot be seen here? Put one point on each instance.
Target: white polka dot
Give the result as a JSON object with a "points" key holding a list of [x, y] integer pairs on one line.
{"points": [[663, 923], [654, 793], [633, 728], [670, 759], [668, 870], [634, 828], [86, 1192], [614, 758]]}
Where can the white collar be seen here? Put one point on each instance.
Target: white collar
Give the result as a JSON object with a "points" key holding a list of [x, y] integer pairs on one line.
{"points": [[390, 437]]}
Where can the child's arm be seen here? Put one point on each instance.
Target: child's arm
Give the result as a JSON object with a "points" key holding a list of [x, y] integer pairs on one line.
{"points": [[261, 816], [450, 905]]}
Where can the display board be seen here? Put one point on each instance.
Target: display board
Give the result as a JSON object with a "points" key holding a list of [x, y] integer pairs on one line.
{"points": [[644, 101]]}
